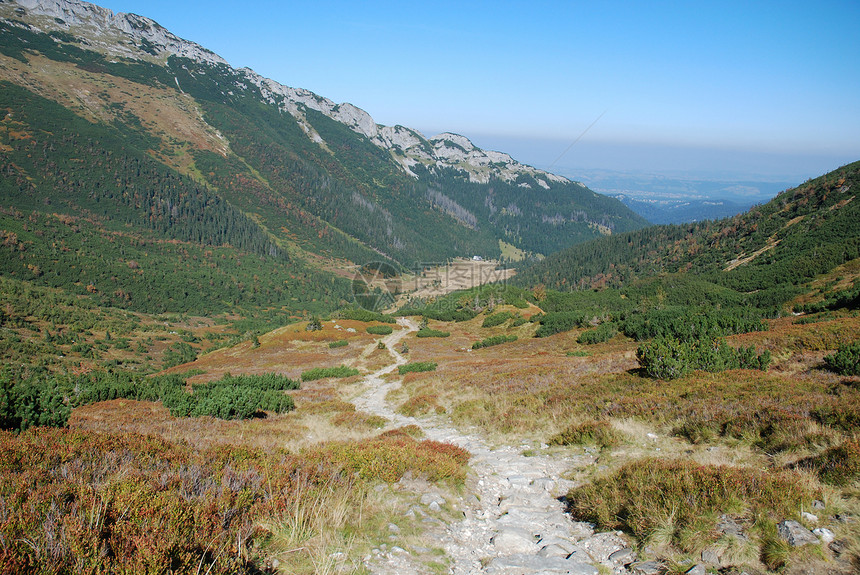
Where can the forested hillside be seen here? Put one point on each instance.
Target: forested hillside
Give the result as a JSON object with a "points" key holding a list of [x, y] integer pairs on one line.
{"points": [[767, 251], [112, 120]]}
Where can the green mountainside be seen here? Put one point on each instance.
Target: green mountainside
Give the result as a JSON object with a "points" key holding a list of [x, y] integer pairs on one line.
{"points": [[143, 142], [766, 252]]}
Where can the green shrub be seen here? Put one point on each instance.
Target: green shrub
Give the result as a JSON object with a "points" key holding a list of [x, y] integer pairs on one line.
{"points": [[47, 399], [593, 432], [417, 366], [380, 329], [495, 319], [361, 314], [845, 299], [664, 358], [264, 382], [232, 397], [29, 400], [427, 332], [669, 358], [688, 323], [557, 322], [322, 372], [179, 353], [495, 340], [604, 332], [339, 343], [846, 360]]}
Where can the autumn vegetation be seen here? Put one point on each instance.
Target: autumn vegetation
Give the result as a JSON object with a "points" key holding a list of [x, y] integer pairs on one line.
{"points": [[180, 338]]}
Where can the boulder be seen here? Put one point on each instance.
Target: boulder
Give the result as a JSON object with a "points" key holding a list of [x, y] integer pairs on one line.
{"points": [[796, 534]]}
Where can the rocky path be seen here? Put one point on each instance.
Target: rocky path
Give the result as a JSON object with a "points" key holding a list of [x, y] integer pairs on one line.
{"points": [[513, 521]]}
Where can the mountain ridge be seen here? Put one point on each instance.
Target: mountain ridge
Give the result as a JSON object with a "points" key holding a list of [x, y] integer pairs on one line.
{"points": [[79, 16]]}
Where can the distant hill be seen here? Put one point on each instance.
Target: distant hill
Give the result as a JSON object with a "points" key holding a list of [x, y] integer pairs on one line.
{"points": [[766, 251], [142, 142], [678, 211]]}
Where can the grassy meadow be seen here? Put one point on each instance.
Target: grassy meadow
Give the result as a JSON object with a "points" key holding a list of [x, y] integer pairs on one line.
{"points": [[313, 486]]}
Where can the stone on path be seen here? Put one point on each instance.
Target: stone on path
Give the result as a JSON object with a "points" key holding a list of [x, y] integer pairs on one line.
{"points": [[534, 565], [647, 568], [710, 556], [511, 540], [624, 556]]}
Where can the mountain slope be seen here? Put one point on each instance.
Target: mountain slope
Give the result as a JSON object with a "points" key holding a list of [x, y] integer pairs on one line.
{"points": [[802, 232], [314, 175]]}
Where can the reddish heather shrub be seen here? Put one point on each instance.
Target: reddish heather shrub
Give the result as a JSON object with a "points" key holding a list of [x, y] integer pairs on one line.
{"points": [[389, 457], [419, 405], [76, 501]]}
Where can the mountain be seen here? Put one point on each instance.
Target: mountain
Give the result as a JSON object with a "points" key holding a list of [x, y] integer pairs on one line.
{"points": [[766, 252], [138, 137]]}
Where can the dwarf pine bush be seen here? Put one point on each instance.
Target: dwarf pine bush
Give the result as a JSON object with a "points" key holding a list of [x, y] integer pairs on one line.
{"points": [[323, 372], [670, 358], [846, 360], [416, 366], [604, 332], [495, 340], [380, 329]]}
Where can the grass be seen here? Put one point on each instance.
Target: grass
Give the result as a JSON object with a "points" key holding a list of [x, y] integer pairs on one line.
{"points": [[338, 343], [591, 432], [420, 405], [323, 372], [797, 420], [838, 465], [388, 457], [675, 505]]}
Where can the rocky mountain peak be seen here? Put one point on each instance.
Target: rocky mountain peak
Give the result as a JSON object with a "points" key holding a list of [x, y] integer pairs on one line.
{"points": [[139, 37]]}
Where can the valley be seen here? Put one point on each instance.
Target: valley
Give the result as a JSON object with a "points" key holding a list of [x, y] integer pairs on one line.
{"points": [[247, 329]]}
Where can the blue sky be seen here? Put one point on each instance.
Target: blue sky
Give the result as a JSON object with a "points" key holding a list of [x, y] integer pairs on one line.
{"points": [[735, 87]]}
